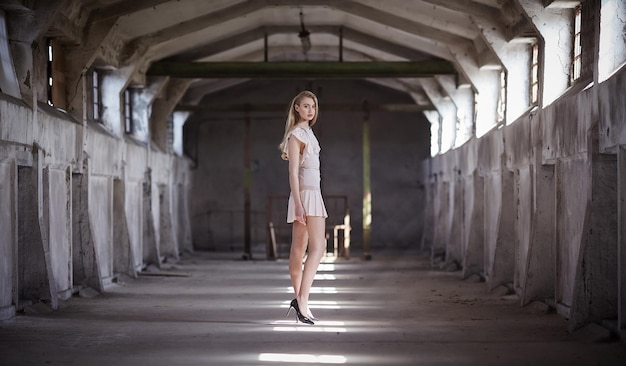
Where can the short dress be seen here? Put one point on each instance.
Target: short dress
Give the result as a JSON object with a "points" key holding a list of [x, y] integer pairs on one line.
{"points": [[308, 175]]}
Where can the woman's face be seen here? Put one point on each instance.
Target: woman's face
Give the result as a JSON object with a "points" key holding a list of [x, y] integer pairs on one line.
{"points": [[306, 108]]}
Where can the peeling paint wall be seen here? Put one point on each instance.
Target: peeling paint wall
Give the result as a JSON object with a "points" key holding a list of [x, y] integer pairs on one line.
{"points": [[63, 237], [549, 204]]}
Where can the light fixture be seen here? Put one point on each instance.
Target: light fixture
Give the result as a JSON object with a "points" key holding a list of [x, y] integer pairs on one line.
{"points": [[305, 35]]}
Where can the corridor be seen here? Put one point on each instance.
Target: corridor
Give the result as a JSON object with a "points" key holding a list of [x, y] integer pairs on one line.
{"points": [[213, 309]]}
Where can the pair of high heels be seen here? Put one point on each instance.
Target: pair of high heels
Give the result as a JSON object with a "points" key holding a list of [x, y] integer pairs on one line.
{"points": [[300, 317]]}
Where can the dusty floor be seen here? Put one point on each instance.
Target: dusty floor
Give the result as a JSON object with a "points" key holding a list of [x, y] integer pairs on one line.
{"points": [[393, 310]]}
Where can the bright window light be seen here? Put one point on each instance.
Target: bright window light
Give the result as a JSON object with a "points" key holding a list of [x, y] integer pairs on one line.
{"points": [[287, 357], [577, 60], [534, 74]]}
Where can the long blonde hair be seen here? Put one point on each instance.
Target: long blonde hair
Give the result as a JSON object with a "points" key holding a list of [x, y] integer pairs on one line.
{"points": [[292, 117]]}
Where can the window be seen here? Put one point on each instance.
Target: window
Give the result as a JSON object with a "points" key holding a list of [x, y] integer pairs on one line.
{"points": [[128, 111], [170, 134], [534, 74], [501, 112], [49, 72], [96, 81], [577, 60]]}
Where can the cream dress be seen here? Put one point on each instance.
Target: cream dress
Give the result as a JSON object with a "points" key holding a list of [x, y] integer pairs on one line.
{"points": [[308, 175]]}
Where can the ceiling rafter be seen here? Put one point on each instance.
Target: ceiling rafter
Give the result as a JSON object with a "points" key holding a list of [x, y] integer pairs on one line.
{"points": [[469, 7], [436, 36], [121, 8], [398, 22], [139, 45], [392, 29], [258, 33]]}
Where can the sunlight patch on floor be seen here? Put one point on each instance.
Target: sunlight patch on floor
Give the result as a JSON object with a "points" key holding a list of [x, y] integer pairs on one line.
{"points": [[305, 358]]}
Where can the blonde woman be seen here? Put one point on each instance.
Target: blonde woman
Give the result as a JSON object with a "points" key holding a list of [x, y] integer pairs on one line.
{"points": [[306, 208]]}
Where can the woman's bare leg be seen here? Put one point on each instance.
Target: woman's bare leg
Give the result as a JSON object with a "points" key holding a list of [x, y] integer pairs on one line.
{"points": [[315, 226], [299, 239]]}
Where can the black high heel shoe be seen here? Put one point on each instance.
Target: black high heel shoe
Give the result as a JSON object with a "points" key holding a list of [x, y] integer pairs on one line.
{"points": [[301, 318]]}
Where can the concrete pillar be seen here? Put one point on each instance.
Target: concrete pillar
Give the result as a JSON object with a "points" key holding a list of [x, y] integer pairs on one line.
{"points": [[184, 224], [85, 266], [515, 57], [596, 283], [524, 188], [612, 42], [123, 258], [429, 212], [161, 110], [142, 101], [473, 226], [8, 79], [621, 240], [499, 228], [539, 274], [454, 241], [8, 239], [34, 272], [150, 244], [60, 229], [441, 220], [168, 244]]}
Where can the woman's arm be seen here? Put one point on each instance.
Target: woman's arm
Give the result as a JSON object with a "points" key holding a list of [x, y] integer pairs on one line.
{"points": [[294, 149]]}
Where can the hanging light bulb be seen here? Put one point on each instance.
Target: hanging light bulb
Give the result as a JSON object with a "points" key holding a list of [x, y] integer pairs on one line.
{"points": [[305, 35]]}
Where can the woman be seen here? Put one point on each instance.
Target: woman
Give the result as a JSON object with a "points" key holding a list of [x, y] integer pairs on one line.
{"points": [[306, 208]]}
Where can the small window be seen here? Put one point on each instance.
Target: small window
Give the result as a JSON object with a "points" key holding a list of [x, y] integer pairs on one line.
{"points": [[97, 95], [49, 73], [534, 74], [577, 59], [501, 113], [128, 111]]}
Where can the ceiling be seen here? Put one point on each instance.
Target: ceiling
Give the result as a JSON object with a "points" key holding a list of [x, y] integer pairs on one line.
{"points": [[133, 35]]}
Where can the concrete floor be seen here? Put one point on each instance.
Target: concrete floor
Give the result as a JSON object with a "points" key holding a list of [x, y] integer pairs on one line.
{"points": [[393, 310]]}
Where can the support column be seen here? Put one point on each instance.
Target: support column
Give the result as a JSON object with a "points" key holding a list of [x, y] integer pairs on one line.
{"points": [[150, 248], [34, 271], [473, 241], [430, 186], [441, 221], [123, 259], [8, 239], [367, 187], [168, 243], [540, 273], [85, 267], [621, 240], [246, 189], [499, 228], [596, 279], [454, 240]]}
